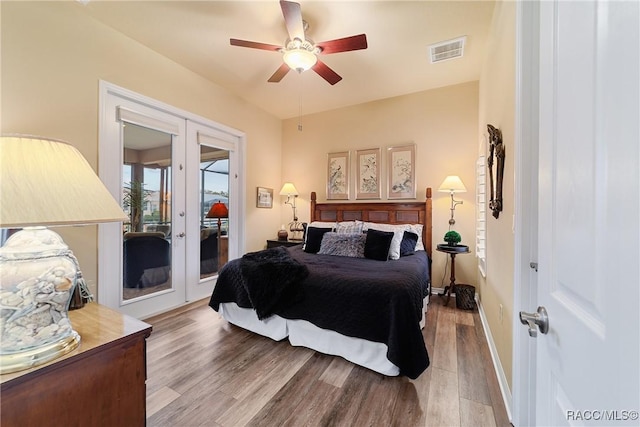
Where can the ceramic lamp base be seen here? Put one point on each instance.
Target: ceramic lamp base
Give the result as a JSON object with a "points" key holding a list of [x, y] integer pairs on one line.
{"points": [[37, 277], [38, 356]]}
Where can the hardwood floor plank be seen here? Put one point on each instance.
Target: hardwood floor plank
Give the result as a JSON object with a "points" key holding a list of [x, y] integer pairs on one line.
{"points": [[160, 399], [499, 410], [475, 414], [198, 362], [443, 408], [275, 366], [444, 348], [337, 372], [472, 381], [197, 407], [410, 408], [377, 407], [265, 388], [310, 411], [302, 386], [352, 395], [464, 317]]}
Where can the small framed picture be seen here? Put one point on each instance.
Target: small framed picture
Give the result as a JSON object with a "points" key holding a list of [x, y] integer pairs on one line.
{"points": [[338, 176], [368, 174], [264, 198], [401, 164]]}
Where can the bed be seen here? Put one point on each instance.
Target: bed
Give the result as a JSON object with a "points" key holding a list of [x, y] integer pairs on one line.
{"points": [[367, 311]]}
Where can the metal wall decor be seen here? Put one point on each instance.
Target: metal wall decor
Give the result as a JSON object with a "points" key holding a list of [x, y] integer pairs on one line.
{"points": [[496, 149]]}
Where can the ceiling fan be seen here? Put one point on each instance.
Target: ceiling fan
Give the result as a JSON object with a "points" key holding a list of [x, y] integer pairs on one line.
{"points": [[300, 52]]}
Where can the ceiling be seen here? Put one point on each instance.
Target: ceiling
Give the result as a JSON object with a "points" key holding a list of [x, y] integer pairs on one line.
{"points": [[196, 35]]}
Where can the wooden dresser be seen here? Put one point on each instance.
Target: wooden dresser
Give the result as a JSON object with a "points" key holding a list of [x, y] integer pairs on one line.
{"points": [[101, 383]]}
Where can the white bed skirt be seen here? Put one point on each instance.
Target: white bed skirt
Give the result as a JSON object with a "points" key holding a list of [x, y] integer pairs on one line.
{"points": [[371, 355]]}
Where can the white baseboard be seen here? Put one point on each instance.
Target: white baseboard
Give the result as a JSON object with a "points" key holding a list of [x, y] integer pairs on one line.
{"points": [[502, 378]]}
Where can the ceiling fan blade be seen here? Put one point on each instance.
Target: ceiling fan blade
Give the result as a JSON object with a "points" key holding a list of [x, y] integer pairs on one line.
{"points": [[343, 45], [255, 45], [279, 74], [326, 73], [293, 19]]}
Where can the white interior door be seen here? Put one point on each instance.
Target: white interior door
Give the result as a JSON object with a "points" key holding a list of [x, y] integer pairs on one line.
{"points": [[588, 362]]}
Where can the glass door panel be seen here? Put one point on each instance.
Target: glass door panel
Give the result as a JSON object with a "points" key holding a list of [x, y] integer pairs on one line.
{"points": [[146, 198], [214, 210]]}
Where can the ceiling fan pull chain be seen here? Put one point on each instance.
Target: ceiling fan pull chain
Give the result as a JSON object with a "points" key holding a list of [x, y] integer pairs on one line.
{"points": [[299, 102]]}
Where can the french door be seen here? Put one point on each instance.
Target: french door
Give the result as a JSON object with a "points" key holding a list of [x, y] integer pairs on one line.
{"points": [[168, 168]]}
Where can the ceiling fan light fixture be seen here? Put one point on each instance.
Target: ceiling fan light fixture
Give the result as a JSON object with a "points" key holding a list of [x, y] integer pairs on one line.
{"points": [[299, 59]]}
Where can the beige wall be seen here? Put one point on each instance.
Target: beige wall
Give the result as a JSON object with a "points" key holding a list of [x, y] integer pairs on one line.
{"points": [[497, 107], [52, 59], [443, 123]]}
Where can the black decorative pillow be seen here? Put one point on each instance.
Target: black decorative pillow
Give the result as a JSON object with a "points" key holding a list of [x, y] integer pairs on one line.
{"points": [[341, 244], [314, 239], [408, 244], [377, 244]]}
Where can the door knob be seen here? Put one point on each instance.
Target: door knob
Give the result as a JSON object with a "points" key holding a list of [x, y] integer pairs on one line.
{"points": [[539, 319], [181, 234]]}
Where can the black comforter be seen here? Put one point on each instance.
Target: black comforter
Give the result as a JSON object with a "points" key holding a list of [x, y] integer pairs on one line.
{"points": [[378, 301]]}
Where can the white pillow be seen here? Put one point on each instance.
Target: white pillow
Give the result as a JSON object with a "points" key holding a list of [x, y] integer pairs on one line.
{"points": [[417, 228], [322, 224], [398, 233], [349, 227]]}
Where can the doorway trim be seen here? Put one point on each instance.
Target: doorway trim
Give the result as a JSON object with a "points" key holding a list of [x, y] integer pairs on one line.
{"points": [[526, 208], [111, 176]]}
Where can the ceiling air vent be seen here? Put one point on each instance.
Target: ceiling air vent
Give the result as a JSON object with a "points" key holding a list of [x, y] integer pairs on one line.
{"points": [[447, 50]]}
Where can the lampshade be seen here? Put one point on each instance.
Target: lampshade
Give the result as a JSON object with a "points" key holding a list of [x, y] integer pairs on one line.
{"points": [[299, 59], [288, 189], [43, 182], [452, 184], [47, 182], [218, 210]]}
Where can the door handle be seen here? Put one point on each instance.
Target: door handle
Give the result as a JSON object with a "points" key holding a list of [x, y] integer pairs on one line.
{"points": [[539, 319], [181, 235]]}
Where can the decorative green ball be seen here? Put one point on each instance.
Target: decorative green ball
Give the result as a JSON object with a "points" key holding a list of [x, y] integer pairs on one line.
{"points": [[452, 237]]}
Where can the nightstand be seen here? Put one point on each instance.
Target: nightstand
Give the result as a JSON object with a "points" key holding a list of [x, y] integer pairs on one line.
{"points": [[452, 251], [274, 243]]}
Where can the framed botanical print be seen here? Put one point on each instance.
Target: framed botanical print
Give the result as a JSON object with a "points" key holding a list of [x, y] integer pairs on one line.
{"points": [[264, 197], [338, 176], [368, 174], [401, 165]]}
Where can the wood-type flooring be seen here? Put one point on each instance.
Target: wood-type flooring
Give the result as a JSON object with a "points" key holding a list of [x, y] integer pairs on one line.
{"points": [[203, 371]]}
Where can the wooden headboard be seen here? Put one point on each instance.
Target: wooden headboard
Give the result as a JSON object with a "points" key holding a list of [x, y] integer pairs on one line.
{"points": [[402, 212]]}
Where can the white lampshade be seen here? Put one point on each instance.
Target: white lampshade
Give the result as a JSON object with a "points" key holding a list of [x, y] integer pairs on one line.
{"points": [[288, 189], [47, 182], [43, 182], [299, 59], [452, 184]]}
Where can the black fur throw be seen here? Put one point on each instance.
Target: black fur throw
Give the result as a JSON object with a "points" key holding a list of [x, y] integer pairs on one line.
{"points": [[272, 279]]}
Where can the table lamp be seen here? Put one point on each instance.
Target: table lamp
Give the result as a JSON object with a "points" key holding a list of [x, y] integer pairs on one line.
{"points": [[452, 184], [289, 190], [42, 182], [218, 210]]}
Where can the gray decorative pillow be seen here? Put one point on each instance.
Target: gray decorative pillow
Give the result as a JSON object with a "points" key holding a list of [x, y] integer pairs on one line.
{"points": [[339, 244]]}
